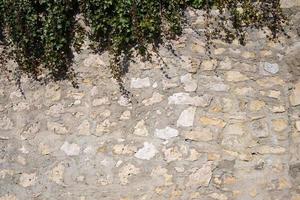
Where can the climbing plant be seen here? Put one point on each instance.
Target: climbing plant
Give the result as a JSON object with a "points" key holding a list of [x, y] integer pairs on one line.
{"points": [[41, 35]]}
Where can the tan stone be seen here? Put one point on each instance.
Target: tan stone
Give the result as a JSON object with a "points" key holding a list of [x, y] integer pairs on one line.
{"points": [[213, 156], [56, 174], [256, 105], [295, 96], [162, 172], [203, 135], [122, 149], [248, 55], [27, 180], [289, 3], [298, 125], [57, 128], [140, 129], [283, 184], [269, 82], [8, 197], [235, 76], [126, 172], [296, 197], [172, 154], [253, 193], [201, 176], [207, 121], [229, 180], [218, 196], [271, 150], [44, 149], [279, 124], [234, 129], [244, 91], [194, 155], [278, 109], [208, 65], [219, 51], [198, 48], [156, 98]]}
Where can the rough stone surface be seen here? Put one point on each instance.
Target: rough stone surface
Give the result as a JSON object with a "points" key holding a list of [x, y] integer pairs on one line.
{"points": [[186, 118], [226, 128], [295, 96], [70, 149], [147, 152], [271, 68], [166, 133]]}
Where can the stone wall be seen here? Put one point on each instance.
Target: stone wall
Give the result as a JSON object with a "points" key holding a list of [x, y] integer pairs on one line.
{"points": [[226, 128]]}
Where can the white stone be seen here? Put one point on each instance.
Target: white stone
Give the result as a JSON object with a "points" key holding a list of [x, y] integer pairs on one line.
{"points": [[190, 84], [156, 98], [186, 99], [27, 180], [166, 133], [271, 68], [139, 83], [70, 149], [147, 152], [140, 129], [186, 118]]}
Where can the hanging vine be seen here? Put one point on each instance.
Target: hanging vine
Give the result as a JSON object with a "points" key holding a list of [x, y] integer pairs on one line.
{"points": [[41, 35]]}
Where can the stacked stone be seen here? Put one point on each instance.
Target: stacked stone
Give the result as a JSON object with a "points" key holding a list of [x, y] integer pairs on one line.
{"points": [[222, 128]]}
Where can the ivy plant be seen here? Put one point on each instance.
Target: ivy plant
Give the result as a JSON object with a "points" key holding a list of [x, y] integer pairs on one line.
{"points": [[41, 35]]}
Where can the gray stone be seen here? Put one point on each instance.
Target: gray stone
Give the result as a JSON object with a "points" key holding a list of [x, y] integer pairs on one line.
{"points": [[271, 68]]}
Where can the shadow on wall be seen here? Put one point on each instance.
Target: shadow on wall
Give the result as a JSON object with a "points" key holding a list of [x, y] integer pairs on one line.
{"points": [[292, 59]]}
